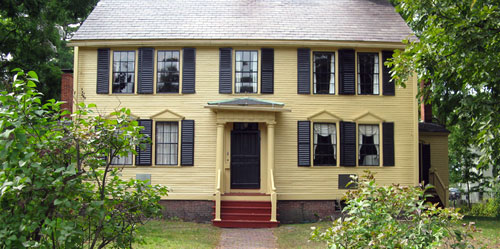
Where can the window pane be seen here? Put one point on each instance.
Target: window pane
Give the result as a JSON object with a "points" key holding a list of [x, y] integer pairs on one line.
{"points": [[168, 71], [166, 143], [369, 145], [123, 71], [368, 73], [246, 72], [325, 144], [324, 73]]}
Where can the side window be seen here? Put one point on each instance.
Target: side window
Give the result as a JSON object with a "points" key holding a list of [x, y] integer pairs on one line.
{"points": [[368, 73], [325, 144], [246, 71], [324, 73], [168, 71], [123, 71], [167, 143], [369, 145], [122, 160]]}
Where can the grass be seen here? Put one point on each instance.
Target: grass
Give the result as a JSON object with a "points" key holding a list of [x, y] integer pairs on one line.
{"points": [[488, 230], [297, 235], [178, 234]]}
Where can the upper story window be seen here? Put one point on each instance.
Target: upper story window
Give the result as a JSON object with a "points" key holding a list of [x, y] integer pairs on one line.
{"points": [[123, 71], [325, 144], [246, 71], [168, 71], [324, 73], [368, 73], [369, 145]]}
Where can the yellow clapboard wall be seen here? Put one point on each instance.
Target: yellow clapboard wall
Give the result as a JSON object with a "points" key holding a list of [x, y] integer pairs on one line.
{"points": [[292, 182]]}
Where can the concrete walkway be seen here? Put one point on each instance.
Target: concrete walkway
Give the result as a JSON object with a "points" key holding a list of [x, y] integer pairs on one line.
{"points": [[247, 238]]}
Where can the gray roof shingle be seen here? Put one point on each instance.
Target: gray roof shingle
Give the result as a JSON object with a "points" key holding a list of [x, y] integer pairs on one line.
{"points": [[328, 20]]}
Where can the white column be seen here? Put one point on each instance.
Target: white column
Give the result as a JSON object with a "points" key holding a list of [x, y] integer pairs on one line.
{"points": [[219, 169]]}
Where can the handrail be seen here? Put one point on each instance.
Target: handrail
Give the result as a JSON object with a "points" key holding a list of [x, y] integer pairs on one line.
{"points": [[218, 180], [439, 186], [218, 196], [274, 199], [273, 187]]}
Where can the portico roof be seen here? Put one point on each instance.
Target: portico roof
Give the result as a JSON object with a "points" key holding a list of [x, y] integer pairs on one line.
{"points": [[247, 104]]}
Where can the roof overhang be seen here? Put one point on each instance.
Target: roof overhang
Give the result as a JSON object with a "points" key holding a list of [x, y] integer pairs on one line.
{"points": [[235, 42]]}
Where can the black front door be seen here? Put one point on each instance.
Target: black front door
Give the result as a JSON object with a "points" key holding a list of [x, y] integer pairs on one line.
{"points": [[245, 156]]}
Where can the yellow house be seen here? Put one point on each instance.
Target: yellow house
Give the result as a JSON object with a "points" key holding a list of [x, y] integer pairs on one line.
{"points": [[259, 111]]}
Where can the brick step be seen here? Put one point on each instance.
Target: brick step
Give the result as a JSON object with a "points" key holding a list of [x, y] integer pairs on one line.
{"points": [[246, 210], [244, 216], [245, 203], [245, 223]]}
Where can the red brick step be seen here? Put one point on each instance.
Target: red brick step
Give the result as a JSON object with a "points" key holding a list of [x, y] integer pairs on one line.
{"points": [[245, 214]]}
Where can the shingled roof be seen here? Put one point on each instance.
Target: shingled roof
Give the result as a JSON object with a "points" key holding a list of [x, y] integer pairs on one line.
{"points": [[326, 20]]}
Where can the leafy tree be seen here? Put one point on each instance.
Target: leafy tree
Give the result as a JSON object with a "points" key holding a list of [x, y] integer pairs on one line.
{"points": [[458, 52], [33, 35], [392, 217], [57, 190]]}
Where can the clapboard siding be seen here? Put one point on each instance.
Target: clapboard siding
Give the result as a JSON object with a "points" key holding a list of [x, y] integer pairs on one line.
{"points": [[293, 182]]}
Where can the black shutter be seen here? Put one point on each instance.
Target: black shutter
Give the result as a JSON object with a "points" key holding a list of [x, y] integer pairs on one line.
{"points": [[145, 72], [103, 71], [304, 143], [347, 68], [347, 144], [144, 156], [188, 70], [187, 143], [267, 72], [226, 70], [303, 71], [388, 143], [387, 83]]}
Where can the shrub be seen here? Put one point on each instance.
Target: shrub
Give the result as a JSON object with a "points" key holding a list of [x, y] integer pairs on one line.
{"points": [[391, 217], [57, 187]]}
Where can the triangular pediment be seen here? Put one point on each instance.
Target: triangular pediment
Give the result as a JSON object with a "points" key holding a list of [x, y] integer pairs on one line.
{"points": [[132, 116], [324, 116], [368, 117], [167, 115], [246, 101]]}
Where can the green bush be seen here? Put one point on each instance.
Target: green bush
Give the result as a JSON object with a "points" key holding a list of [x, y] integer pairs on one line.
{"points": [[57, 186], [392, 217], [488, 208]]}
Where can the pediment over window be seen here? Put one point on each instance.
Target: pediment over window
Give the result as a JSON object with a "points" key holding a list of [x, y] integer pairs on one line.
{"points": [[167, 115], [324, 116], [132, 116], [368, 117]]}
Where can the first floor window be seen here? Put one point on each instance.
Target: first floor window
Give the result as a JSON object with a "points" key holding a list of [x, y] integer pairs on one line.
{"points": [[123, 71], [324, 73], [246, 72], [122, 160], [368, 73], [369, 145], [325, 144], [167, 137], [168, 71]]}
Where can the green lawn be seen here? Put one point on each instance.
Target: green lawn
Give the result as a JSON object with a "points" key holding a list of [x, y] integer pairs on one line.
{"points": [[178, 234], [489, 230]]}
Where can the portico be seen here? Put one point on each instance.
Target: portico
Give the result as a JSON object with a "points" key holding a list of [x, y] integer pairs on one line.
{"points": [[245, 150]]}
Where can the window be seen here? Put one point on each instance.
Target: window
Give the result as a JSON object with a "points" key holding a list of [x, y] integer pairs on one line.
{"points": [[246, 72], [123, 71], [368, 73], [167, 137], [324, 73], [122, 160], [168, 71], [325, 144], [369, 145]]}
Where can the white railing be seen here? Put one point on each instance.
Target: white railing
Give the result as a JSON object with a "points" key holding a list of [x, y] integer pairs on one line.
{"points": [[438, 184], [274, 199], [218, 195]]}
